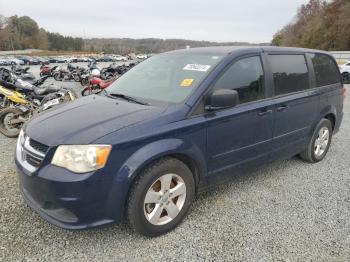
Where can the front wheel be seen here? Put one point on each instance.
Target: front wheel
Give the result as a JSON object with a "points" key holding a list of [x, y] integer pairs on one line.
{"points": [[319, 143], [11, 121], [57, 77], [76, 77], [161, 197]]}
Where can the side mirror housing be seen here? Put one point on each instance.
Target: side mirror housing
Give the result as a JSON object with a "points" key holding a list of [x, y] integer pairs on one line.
{"points": [[221, 99]]}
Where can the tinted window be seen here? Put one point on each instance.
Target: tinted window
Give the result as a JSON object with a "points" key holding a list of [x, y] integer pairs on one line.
{"points": [[246, 77], [326, 71], [290, 73]]}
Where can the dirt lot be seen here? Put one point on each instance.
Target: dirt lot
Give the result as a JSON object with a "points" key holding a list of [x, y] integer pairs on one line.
{"points": [[286, 211]]}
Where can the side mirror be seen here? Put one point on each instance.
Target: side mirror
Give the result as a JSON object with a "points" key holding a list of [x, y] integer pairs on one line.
{"points": [[222, 98]]}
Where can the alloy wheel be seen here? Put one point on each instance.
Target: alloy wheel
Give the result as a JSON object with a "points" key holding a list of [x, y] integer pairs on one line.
{"points": [[164, 199], [321, 141]]}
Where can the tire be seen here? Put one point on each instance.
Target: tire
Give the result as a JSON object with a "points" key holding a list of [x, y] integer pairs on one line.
{"points": [[86, 91], [57, 77], [310, 154], [139, 213], [76, 77], [7, 114], [84, 81], [346, 77]]}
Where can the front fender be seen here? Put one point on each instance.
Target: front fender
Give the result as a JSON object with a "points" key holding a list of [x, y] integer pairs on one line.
{"points": [[155, 150]]}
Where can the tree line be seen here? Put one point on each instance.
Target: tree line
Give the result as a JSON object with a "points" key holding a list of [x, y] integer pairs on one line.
{"points": [[17, 33], [318, 25], [148, 45]]}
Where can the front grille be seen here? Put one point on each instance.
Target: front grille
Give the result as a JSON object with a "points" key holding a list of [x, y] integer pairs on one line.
{"points": [[32, 160], [30, 153], [38, 146]]}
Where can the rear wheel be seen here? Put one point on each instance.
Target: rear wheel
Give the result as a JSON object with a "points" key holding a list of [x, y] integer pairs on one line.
{"points": [[84, 81], [161, 197], [86, 91], [11, 121], [320, 142], [346, 77]]}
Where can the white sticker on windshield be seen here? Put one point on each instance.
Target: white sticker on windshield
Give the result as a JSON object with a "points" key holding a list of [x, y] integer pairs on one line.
{"points": [[197, 67]]}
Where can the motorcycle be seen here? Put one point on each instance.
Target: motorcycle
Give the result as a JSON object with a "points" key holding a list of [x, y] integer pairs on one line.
{"points": [[22, 72], [115, 70], [22, 101], [78, 72], [85, 78], [95, 85], [61, 74], [46, 70], [109, 72]]}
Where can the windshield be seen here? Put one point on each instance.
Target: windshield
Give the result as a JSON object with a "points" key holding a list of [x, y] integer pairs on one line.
{"points": [[168, 78]]}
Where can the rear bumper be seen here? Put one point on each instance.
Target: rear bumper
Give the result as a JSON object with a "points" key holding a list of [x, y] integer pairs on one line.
{"points": [[338, 123]]}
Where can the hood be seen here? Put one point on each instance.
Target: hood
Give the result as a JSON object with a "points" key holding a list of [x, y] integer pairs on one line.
{"points": [[87, 119]]}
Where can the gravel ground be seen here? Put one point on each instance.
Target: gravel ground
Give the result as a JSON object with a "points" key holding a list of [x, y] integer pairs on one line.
{"points": [[286, 211]]}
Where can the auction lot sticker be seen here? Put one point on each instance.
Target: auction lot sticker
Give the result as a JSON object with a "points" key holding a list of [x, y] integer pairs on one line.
{"points": [[197, 67]]}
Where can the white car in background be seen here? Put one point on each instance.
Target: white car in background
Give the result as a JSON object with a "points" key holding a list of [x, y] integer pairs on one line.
{"points": [[120, 58], [345, 71], [141, 56]]}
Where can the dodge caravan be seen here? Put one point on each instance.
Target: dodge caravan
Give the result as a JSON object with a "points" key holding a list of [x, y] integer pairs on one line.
{"points": [[172, 126]]}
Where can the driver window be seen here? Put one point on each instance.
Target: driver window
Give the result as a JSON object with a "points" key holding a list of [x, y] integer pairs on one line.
{"points": [[246, 76]]}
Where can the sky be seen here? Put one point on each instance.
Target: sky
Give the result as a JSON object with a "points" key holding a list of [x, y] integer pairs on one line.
{"points": [[212, 20]]}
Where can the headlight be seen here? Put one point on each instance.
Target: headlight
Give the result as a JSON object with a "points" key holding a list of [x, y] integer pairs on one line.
{"points": [[21, 138], [81, 158]]}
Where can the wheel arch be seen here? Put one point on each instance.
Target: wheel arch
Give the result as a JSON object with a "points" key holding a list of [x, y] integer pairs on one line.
{"points": [[189, 154], [332, 118]]}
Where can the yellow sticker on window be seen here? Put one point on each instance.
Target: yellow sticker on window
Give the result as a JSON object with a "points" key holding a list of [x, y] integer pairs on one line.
{"points": [[186, 82]]}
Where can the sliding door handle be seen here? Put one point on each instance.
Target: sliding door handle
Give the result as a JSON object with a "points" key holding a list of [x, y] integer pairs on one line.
{"points": [[265, 112], [282, 108]]}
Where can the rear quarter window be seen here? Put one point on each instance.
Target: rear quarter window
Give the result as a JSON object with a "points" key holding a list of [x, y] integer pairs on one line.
{"points": [[326, 70]]}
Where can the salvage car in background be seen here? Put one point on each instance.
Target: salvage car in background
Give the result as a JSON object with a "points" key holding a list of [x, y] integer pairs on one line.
{"points": [[345, 71]]}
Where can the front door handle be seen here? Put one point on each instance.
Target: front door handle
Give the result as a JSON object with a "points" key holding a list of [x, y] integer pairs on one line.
{"points": [[282, 108], [265, 112]]}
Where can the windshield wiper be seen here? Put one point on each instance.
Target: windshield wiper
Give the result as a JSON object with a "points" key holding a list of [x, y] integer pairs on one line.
{"points": [[128, 98]]}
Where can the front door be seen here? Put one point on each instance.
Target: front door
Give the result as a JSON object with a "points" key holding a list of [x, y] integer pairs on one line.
{"points": [[241, 136]]}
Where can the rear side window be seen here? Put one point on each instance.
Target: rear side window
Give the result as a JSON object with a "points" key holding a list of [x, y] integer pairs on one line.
{"points": [[326, 71], [290, 73]]}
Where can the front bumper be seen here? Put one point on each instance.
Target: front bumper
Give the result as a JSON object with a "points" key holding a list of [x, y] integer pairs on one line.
{"points": [[69, 200]]}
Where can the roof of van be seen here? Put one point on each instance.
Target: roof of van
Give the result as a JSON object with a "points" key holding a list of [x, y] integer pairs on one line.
{"points": [[232, 49]]}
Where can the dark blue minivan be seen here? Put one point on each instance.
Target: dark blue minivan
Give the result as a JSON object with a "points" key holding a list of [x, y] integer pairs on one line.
{"points": [[171, 127]]}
